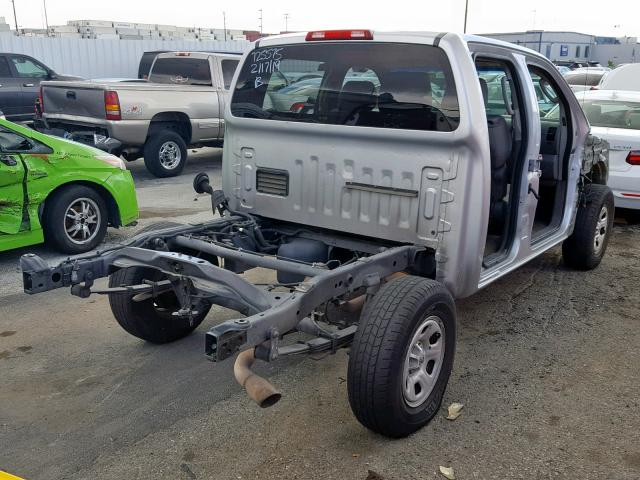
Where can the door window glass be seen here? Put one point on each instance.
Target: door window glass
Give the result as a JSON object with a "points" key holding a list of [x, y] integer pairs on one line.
{"points": [[496, 88], [12, 142], [547, 96], [28, 68], [228, 69], [5, 71]]}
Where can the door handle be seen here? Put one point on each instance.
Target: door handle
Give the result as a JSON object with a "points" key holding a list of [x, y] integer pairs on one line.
{"points": [[28, 85], [8, 160]]}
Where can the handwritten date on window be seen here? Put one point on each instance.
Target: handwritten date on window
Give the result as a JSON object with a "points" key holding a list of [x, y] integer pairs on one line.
{"points": [[265, 61]]}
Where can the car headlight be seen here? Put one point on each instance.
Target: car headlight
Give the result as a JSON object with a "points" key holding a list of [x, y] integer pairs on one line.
{"points": [[112, 160]]}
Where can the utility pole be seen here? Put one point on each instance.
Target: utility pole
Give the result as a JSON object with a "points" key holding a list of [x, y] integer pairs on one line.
{"points": [[46, 19], [286, 22], [15, 17], [224, 24], [535, 13], [466, 11], [260, 19]]}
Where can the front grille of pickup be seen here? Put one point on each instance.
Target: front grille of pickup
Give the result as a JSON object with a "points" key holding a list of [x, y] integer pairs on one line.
{"points": [[273, 182]]}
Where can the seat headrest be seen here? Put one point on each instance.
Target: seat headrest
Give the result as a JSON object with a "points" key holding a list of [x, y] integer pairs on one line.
{"points": [[485, 91], [410, 87], [359, 86]]}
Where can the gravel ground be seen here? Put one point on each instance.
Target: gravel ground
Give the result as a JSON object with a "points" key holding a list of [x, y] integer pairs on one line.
{"points": [[547, 367]]}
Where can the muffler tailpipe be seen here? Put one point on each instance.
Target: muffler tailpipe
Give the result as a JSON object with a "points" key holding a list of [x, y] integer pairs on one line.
{"points": [[258, 389]]}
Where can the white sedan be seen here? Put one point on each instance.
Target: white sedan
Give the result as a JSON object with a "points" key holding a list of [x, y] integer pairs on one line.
{"points": [[615, 116]]}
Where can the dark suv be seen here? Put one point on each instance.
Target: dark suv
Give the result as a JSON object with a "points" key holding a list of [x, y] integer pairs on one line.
{"points": [[20, 77]]}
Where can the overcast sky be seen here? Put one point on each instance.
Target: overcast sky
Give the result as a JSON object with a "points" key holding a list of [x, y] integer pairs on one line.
{"points": [[609, 17]]}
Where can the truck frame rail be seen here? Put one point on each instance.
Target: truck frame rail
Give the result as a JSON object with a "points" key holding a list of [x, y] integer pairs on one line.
{"points": [[269, 312]]}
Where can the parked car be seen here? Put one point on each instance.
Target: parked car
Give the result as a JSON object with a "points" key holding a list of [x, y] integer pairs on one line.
{"points": [[615, 117], [625, 77], [573, 65], [60, 191], [391, 197], [583, 79], [20, 77], [180, 106]]}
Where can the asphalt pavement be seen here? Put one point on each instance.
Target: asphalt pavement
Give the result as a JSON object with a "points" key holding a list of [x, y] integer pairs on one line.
{"points": [[546, 366]]}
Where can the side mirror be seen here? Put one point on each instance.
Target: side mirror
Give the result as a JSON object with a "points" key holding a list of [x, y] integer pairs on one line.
{"points": [[201, 183], [52, 75]]}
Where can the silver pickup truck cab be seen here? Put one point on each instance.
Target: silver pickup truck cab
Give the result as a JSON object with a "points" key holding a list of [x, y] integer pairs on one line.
{"points": [[393, 174], [182, 105]]}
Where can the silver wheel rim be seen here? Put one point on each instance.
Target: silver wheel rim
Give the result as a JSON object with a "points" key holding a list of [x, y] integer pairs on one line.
{"points": [[170, 155], [82, 220], [423, 361], [602, 228]]}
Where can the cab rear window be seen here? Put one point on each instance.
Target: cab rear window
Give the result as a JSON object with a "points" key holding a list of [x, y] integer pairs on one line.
{"points": [[181, 71], [385, 85]]}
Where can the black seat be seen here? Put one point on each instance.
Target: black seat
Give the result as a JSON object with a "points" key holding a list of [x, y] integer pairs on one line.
{"points": [[404, 96], [500, 148], [356, 95]]}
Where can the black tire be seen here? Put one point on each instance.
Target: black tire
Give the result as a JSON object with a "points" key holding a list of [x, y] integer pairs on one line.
{"points": [[159, 165], [150, 319], [388, 326], [59, 227], [586, 246]]}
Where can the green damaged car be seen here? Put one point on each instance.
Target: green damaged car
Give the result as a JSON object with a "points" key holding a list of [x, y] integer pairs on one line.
{"points": [[59, 191]]}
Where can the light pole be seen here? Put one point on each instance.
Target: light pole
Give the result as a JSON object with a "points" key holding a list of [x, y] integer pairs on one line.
{"points": [[46, 19], [260, 18], [286, 22], [224, 24], [15, 17], [466, 11]]}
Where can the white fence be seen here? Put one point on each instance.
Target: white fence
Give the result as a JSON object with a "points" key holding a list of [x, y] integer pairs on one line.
{"points": [[102, 58]]}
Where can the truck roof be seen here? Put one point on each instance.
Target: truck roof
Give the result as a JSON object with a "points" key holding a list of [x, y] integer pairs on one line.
{"points": [[405, 36]]}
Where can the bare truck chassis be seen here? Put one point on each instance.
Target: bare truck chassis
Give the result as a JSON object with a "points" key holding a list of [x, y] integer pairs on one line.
{"points": [[269, 313]]}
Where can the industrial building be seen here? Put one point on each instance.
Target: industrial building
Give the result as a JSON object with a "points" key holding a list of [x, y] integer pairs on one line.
{"points": [[115, 30], [575, 46]]}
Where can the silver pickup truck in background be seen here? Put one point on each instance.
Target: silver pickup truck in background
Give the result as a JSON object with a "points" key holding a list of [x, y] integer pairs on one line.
{"points": [[182, 105]]}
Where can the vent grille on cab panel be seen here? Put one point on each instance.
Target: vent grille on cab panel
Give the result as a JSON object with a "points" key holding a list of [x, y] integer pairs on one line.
{"points": [[273, 182]]}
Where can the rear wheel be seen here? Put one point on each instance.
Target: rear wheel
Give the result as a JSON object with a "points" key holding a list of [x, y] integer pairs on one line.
{"points": [[587, 244], [402, 356], [75, 219], [165, 154], [151, 319]]}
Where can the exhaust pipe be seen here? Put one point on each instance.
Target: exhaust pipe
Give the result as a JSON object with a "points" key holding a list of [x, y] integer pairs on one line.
{"points": [[258, 389]]}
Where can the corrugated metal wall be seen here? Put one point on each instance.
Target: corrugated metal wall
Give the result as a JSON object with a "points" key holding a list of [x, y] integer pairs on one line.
{"points": [[102, 58]]}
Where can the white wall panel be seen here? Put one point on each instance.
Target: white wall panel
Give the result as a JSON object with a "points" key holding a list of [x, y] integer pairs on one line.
{"points": [[90, 58]]}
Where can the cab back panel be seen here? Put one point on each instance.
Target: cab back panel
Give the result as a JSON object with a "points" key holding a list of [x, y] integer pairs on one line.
{"points": [[383, 184]]}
